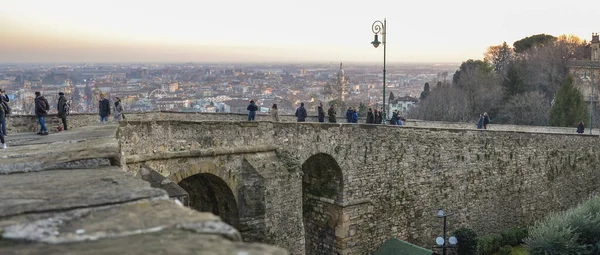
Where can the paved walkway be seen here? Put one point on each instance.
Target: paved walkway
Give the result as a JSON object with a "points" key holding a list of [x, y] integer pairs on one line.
{"points": [[64, 194]]}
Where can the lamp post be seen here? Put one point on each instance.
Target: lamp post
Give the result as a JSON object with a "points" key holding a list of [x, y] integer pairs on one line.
{"points": [[591, 100], [379, 28], [441, 240]]}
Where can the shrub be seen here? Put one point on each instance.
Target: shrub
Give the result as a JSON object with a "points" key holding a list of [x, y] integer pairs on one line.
{"points": [[513, 236], [575, 231], [505, 250], [489, 244], [467, 241]]}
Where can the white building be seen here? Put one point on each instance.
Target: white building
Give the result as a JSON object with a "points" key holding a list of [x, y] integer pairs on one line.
{"points": [[402, 104]]}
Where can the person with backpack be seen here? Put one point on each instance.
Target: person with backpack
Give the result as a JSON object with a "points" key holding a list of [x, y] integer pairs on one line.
{"points": [[63, 109], [41, 110], [301, 113], [5, 109]]}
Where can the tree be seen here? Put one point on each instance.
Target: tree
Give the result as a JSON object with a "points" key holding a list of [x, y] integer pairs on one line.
{"points": [[362, 110], [425, 91], [498, 56], [529, 108], [531, 41], [513, 82], [480, 85], [569, 108], [392, 97]]}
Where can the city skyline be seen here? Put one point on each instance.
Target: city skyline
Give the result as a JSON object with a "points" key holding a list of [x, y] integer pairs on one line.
{"points": [[274, 31]]}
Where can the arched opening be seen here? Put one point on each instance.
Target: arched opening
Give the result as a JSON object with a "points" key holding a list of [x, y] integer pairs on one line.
{"points": [[322, 187], [209, 193]]}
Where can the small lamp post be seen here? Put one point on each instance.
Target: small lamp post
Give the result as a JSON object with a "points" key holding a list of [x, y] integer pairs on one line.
{"points": [[591, 99], [441, 240], [379, 28]]}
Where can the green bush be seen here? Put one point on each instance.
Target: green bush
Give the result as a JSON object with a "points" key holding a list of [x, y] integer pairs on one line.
{"points": [[513, 236], [467, 241], [505, 250], [489, 244], [575, 231]]}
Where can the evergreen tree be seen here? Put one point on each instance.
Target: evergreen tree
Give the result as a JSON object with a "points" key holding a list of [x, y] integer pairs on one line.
{"points": [[362, 110], [569, 107], [392, 97], [513, 84], [425, 91]]}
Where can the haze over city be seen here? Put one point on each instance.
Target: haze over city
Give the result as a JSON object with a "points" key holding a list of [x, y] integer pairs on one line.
{"points": [[274, 31]]}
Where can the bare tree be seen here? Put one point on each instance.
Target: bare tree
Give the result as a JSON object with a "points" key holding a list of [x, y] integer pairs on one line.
{"points": [[499, 56], [529, 108]]}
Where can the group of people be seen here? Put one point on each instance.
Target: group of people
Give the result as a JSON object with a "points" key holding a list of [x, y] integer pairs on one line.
{"points": [[373, 116], [483, 121], [42, 108]]}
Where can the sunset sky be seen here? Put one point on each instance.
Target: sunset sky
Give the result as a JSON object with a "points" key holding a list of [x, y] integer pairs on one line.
{"points": [[276, 30]]}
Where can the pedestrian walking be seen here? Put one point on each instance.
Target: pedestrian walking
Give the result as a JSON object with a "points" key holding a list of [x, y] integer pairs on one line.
{"points": [[321, 112], [332, 114], [41, 110], [301, 113], [103, 108], [275, 113], [63, 110], [118, 110], [252, 108]]}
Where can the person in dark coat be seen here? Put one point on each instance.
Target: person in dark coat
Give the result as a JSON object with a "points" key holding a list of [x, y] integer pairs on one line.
{"points": [[349, 114], [580, 128], [41, 110], [321, 112], [301, 113], [252, 108], [370, 117], [62, 109], [2, 118], [480, 122], [354, 116], [486, 120], [4, 101], [332, 114], [103, 108], [378, 117]]}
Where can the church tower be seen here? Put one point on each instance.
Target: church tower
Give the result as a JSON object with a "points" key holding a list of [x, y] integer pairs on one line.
{"points": [[341, 80], [595, 47]]}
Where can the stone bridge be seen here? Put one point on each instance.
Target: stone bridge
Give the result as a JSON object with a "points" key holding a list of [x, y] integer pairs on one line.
{"points": [[316, 188], [345, 188]]}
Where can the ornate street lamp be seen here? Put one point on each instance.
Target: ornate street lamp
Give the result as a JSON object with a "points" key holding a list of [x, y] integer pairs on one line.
{"points": [[379, 28], [441, 240]]}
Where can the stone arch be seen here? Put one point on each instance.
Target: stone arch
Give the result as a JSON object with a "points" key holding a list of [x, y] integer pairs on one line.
{"points": [[211, 189], [322, 196], [209, 193], [206, 167]]}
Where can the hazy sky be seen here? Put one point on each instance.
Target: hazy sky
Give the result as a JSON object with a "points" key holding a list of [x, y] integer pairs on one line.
{"points": [[277, 30]]}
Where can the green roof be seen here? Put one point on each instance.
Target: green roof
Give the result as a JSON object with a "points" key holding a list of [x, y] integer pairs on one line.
{"points": [[396, 246]]}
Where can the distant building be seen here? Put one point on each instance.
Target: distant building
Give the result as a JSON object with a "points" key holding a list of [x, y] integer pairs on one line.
{"points": [[236, 105], [585, 72], [403, 104]]}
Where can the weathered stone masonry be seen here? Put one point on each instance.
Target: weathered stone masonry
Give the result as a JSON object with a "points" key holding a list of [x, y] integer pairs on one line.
{"points": [[394, 178]]}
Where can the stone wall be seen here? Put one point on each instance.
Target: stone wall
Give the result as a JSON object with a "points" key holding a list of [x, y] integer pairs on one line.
{"points": [[396, 178], [261, 185]]}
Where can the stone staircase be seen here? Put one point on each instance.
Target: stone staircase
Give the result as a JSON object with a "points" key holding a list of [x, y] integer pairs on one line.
{"points": [[65, 194]]}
